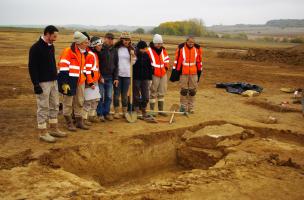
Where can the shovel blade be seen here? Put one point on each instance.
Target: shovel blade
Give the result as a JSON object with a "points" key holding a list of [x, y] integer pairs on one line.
{"points": [[131, 117]]}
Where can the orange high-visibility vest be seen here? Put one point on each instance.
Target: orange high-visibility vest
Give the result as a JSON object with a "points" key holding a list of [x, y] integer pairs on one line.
{"points": [[92, 68], [160, 62], [189, 59], [73, 62]]}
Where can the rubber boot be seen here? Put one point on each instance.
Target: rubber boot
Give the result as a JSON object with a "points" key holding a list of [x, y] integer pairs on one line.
{"points": [[152, 107], [161, 108], [116, 113], [55, 132], [80, 123], [70, 124]]}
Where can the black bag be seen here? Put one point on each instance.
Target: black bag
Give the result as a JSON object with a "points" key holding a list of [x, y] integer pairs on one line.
{"points": [[175, 75]]}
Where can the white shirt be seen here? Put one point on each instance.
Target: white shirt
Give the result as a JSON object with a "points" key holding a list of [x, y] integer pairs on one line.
{"points": [[123, 62]]}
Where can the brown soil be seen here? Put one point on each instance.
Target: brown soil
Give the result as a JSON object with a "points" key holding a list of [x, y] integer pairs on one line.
{"points": [[223, 151], [292, 56]]}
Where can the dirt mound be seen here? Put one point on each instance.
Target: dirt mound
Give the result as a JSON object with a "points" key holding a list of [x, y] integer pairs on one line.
{"points": [[292, 56], [20, 159]]}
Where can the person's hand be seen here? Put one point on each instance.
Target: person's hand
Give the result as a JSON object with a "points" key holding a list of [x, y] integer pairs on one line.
{"points": [[66, 88], [38, 89], [101, 80], [116, 83], [132, 53]]}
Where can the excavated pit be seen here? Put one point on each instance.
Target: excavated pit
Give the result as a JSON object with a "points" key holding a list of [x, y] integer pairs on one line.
{"points": [[196, 147]]}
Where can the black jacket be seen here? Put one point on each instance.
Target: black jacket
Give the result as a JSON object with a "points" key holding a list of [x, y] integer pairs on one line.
{"points": [[108, 61], [42, 63], [142, 69]]}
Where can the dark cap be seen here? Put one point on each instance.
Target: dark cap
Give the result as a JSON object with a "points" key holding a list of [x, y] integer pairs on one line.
{"points": [[109, 35], [142, 45]]}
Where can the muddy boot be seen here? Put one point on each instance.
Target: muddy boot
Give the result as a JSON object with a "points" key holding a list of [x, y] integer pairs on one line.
{"points": [[191, 110], [94, 119], [161, 108], [182, 108], [140, 115], [80, 123], [55, 132], [45, 136], [109, 117], [116, 113], [101, 118], [70, 124], [87, 122], [152, 107], [124, 111]]}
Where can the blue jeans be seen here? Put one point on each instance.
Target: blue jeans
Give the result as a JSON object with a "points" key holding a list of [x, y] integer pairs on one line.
{"points": [[106, 90], [122, 90]]}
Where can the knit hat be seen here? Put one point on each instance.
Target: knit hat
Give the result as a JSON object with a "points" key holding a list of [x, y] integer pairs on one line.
{"points": [[79, 37], [157, 39], [86, 34], [125, 35], [95, 41], [141, 45]]}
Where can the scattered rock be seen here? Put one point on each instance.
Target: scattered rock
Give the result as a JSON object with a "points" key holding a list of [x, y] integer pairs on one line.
{"points": [[250, 93], [210, 136]]}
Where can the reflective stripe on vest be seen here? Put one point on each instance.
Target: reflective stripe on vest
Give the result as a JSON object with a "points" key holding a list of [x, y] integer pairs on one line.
{"points": [[185, 63], [94, 67], [153, 59]]}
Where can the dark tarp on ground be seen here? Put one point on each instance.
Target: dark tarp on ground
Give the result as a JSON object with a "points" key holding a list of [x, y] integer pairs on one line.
{"points": [[239, 87]]}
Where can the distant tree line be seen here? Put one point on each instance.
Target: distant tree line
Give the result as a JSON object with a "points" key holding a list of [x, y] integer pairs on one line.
{"points": [[286, 23], [194, 27]]}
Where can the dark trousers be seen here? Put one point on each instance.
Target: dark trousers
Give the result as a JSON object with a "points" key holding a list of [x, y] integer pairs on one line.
{"points": [[141, 93], [122, 91]]}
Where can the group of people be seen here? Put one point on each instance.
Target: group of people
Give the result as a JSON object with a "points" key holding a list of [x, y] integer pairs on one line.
{"points": [[93, 70]]}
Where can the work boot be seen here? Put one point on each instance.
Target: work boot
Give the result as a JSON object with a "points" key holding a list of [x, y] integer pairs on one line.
{"points": [[161, 108], [87, 122], [55, 132], [116, 113], [70, 124], [101, 118], [45, 136], [124, 111], [109, 117], [80, 123], [137, 110], [93, 119], [191, 110]]}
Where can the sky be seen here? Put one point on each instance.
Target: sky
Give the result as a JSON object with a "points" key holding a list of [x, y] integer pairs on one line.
{"points": [[146, 12]]}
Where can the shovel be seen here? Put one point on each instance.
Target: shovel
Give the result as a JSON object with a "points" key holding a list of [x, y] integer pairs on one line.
{"points": [[131, 116]]}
